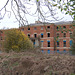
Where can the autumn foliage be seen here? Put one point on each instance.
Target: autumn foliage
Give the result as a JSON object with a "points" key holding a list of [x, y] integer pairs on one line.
{"points": [[17, 41]]}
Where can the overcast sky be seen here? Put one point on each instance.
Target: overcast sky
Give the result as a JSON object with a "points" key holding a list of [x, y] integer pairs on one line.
{"points": [[12, 23]]}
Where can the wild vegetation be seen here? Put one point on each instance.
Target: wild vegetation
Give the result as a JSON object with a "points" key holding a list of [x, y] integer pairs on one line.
{"points": [[36, 63], [17, 41]]}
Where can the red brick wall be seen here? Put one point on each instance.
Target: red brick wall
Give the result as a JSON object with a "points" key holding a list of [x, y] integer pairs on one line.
{"points": [[53, 30]]}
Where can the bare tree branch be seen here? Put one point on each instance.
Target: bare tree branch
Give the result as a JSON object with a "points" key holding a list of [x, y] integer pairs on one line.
{"points": [[45, 10]]}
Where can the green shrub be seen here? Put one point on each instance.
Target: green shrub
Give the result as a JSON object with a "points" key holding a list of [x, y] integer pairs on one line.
{"points": [[72, 74]]}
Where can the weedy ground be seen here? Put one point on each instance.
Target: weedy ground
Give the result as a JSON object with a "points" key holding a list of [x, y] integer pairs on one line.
{"points": [[36, 63]]}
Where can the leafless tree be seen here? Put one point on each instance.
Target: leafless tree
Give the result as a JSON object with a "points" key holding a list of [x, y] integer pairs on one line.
{"points": [[45, 10]]}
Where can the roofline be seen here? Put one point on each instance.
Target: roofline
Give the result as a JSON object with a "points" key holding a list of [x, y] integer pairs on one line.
{"points": [[46, 23]]}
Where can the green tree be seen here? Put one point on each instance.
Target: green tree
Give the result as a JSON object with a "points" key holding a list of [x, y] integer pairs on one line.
{"points": [[17, 41], [73, 45]]}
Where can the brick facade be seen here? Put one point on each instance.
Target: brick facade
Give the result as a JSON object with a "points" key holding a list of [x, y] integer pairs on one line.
{"points": [[48, 36]]}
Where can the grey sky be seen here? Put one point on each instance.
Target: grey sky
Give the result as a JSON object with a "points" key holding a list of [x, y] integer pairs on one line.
{"points": [[12, 23]]}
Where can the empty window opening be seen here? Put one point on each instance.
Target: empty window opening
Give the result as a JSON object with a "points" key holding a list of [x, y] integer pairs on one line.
{"points": [[57, 34], [41, 35], [70, 34], [64, 43], [1, 32], [57, 43], [70, 26], [48, 34], [64, 27], [48, 44], [48, 27], [1, 38], [35, 28], [35, 35], [28, 28], [29, 35], [64, 34], [57, 27], [41, 28]]}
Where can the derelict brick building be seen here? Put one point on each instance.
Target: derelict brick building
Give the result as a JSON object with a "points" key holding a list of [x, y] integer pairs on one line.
{"points": [[50, 36]]}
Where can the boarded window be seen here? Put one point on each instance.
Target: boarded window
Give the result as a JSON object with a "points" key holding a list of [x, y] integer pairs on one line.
{"points": [[70, 42], [48, 51], [42, 51], [41, 43], [57, 51], [64, 51]]}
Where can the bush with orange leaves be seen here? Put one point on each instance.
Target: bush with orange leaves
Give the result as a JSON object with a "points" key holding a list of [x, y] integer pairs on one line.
{"points": [[16, 40]]}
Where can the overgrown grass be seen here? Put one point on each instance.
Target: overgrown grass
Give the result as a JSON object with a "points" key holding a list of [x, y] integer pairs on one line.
{"points": [[72, 74]]}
